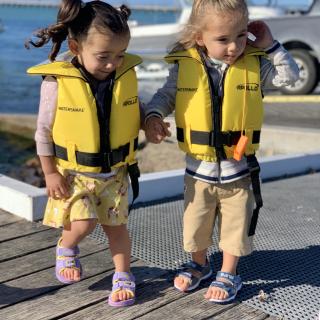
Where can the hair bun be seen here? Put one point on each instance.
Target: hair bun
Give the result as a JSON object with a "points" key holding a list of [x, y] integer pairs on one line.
{"points": [[125, 11]]}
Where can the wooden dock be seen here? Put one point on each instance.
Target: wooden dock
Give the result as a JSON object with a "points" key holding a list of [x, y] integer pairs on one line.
{"points": [[29, 290]]}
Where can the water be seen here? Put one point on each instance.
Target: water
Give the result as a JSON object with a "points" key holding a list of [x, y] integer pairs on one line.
{"points": [[19, 93]]}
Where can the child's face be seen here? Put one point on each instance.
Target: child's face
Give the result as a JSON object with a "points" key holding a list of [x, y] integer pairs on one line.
{"points": [[100, 53], [225, 36]]}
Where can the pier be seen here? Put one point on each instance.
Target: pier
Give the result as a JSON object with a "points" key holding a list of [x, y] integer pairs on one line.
{"points": [[284, 266]]}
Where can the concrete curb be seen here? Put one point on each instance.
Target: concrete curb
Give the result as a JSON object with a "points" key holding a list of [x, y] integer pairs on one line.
{"points": [[29, 202], [22, 199]]}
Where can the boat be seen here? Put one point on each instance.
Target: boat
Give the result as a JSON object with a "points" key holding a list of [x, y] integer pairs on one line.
{"points": [[151, 41]]}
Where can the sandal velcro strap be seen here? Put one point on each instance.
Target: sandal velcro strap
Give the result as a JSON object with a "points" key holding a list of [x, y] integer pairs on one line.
{"points": [[66, 252], [223, 285], [123, 285], [187, 275], [69, 262], [226, 275], [191, 265], [234, 280]]}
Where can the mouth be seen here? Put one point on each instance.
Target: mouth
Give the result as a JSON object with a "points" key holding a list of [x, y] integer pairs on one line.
{"points": [[230, 58]]}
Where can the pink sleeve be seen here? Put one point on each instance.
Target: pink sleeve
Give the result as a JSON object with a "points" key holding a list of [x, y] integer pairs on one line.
{"points": [[46, 115]]}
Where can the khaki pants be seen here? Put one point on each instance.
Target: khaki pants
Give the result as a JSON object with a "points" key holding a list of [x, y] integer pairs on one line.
{"points": [[232, 203]]}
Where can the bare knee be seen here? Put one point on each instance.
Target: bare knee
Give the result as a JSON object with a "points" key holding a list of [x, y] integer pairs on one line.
{"points": [[84, 227], [114, 233]]}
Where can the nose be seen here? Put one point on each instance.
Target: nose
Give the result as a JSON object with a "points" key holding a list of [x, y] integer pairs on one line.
{"points": [[233, 46], [110, 66]]}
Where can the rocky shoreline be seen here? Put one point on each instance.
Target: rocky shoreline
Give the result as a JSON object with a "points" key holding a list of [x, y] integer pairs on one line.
{"points": [[18, 153], [23, 165]]}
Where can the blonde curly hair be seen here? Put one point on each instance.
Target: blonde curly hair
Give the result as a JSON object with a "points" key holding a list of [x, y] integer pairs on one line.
{"points": [[196, 22]]}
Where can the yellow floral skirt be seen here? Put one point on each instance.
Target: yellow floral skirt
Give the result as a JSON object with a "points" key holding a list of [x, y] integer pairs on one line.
{"points": [[104, 199]]}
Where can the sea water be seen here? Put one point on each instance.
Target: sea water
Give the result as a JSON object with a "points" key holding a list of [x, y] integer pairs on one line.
{"points": [[19, 93]]}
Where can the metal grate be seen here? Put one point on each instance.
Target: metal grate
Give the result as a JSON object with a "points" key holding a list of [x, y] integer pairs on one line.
{"points": [[285, 263]]}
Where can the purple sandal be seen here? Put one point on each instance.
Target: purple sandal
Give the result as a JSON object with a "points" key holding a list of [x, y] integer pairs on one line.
{"points": [[122, 281], [66, 258]]}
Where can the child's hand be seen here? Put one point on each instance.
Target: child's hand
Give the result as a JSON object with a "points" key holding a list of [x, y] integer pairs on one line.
{"points": [[261, 31], [157, 130], [57, 186]]}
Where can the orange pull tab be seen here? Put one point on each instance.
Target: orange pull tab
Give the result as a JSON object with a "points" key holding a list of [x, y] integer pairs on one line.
{"points": [[240, 148]]}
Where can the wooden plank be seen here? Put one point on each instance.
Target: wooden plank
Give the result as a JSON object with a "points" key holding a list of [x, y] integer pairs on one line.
{"points": [[191, 306], [42, 282], [71, 298], [243, 312], [40, 260], [151, 294], [28, 244], [20, 228], [6, 218], [153, 297]]}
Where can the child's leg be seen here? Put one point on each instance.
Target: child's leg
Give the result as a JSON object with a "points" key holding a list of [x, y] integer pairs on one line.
{"points": [[71, 237], [120, 247], [235, 212], [198, 222]]}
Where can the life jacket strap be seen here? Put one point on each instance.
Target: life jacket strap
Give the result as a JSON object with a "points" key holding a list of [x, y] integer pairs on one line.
{"points": [[104, 160], [134, 174], [254, 170], [223, 138]]}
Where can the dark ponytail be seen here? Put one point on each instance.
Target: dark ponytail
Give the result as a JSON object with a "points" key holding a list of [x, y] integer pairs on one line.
{"points": [[125, 12], [58, 32], [75, 19]]}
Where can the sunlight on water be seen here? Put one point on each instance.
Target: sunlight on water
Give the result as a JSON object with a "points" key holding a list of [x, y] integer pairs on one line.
{"points": [[19, 93]]}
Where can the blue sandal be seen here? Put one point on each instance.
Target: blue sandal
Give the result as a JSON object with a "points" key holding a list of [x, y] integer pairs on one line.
{"points": [[194, 273], [231, 284]]}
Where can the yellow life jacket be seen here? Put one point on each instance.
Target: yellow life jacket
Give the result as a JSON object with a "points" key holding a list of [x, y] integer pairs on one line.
{"points": [[241, 112], [76, 130]]}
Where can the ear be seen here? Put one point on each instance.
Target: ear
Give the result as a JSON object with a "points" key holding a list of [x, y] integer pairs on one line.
{"points": [[73, 46], [199, 40]]}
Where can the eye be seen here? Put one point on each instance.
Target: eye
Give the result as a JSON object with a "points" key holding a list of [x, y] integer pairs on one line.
{"points": [[102, 57], [241, 35]]}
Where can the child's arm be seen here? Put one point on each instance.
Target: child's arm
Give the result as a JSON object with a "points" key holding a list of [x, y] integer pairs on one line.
{"points": [[57, 186], [156, 129], [55, 182], [279, 69], [161, 105]]}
